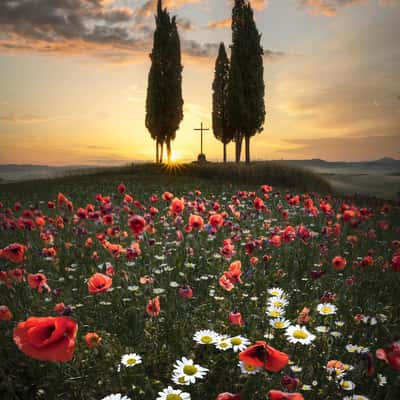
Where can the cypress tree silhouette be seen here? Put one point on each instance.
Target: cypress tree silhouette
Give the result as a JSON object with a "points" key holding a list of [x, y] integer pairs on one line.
{"points": [[220, 96], [246, 83], [164, 103]]}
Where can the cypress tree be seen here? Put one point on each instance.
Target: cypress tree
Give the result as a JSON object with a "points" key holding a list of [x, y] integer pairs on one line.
{"points": [[164, 103], [220, 91], [246, 83]]}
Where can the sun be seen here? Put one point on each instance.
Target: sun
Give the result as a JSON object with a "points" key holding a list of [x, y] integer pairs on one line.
{"points": [[175, 156]]}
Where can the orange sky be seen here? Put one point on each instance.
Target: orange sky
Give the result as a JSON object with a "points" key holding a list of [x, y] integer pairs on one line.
{"points": [[74, 92]]}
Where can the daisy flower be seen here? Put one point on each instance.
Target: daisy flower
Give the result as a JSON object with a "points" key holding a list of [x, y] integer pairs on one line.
{"points": [[326, 309], [355, 397], [185, 367], [279, 323], [248, 369], [275, 312], [173, 394], [299, 334], [117, 396], [130, 360], [180, 379], [347, 385], [277, 292], [223, 343], [278, 302], [239, 343], [206, 337], [322, 329]]}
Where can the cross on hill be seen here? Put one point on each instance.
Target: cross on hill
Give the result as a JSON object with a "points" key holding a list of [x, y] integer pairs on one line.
{"points": [[201, 129]]}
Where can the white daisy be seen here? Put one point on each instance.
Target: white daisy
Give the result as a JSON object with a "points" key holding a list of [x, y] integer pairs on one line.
{"points": [[279, 323], [117, 396], [326, 309], [180, 379], [355, 397], [278, 302], [296, 368], [347, 385], [275, 312], [223, 343], [322, 329], [130, 360], [278, 292], [173, 394], [206, 337], [248, 369], [299, 334], [382, 380], [185, 367], [239, 343]]}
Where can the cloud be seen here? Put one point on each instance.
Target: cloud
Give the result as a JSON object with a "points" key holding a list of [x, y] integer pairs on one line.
{"points": [[150, 6], [326, 7], [27, 118], [224, 23]]}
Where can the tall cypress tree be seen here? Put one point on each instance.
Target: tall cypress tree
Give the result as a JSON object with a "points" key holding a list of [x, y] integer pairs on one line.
{"points": [[220, 96], [164, 103], [246, 83]]}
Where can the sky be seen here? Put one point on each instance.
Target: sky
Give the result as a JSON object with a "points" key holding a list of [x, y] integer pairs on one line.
{"points": [[73, 79]]}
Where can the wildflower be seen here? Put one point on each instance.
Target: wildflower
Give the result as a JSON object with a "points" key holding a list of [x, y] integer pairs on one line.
{"points": [[173, 394], [277, 302], [326, 309], [391, 355], [248, 369], [92, 339], [196, 222], [235, 318], [304, 316], [5, 313], [130, 360], [239, 343], [275, 312], [299, 334], [185, 292], [189, 370], [177, 206], [278, 395], [228, 396], [153, 307], [99, 283], [14, 252], [206, 337], [117, 396], [347, 385], [279, 323], [339, 263], [223, 343], [263, 355]]}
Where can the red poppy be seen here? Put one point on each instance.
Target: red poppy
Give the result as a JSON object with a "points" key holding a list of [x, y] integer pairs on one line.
{"points": [[99, 283], [216, 220], [304, 316], [391, 355], [235, 272], [258, 204], [396, 263], [196, 222], [228, 396], [47, 338], [339, 263], [186, 292], [278, 395], [38, 281], [153, 307], [137, 224], [263, 355], [5, 313], [226, 283], [14, 252], [92, 339], [121, 188], [276, 241], [167, 196], [59, 308], [235, 318], [108, 219], [177, 205]]}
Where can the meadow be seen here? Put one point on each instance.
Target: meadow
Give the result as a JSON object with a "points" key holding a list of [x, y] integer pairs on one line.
{"points": [[134, 284]]}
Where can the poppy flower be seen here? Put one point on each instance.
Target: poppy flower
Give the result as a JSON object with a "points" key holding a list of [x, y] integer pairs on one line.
{"points": [[391, 355], [304, 316], [137, 224], [226, 283], [278, 395], [47, 338], [177, 206], [121, 188], [228, 396], [167, 196], [153, 307], [396, 263], [216, 220], [92, 339], [196, 222], [14, 252], [263, 355], [38, 281], [234, 272], [5, 313], [186, 292], [99, 283], [339, 263], [258, 204], [235, 318]]}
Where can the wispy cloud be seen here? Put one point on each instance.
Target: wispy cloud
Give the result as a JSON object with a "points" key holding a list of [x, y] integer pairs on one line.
{"points": [[16, 118]]}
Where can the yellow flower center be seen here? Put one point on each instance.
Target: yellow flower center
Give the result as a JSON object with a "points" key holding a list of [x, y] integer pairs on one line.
{"points": [[345, 385], [326, 310], [236, 341], [174, 397], [206, 339], [279, 325], [189, 369], [299, 334], [275, 313], [278, 304], [182, 380], [248, 367], [223, 345], [131, 361]]}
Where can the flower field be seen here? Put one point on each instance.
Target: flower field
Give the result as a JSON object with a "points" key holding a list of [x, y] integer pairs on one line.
{"points": [[138, 292]]}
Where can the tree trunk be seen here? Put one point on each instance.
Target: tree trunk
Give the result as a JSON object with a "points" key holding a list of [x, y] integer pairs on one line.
{"points": [[169, 150], [224, 152], [247, 141], [162, 152], [157, 152], [238, 148]]}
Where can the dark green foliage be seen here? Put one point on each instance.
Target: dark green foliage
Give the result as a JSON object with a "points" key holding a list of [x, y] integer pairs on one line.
{"points": [[220, 96], [164, 103], [246, 84]]}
